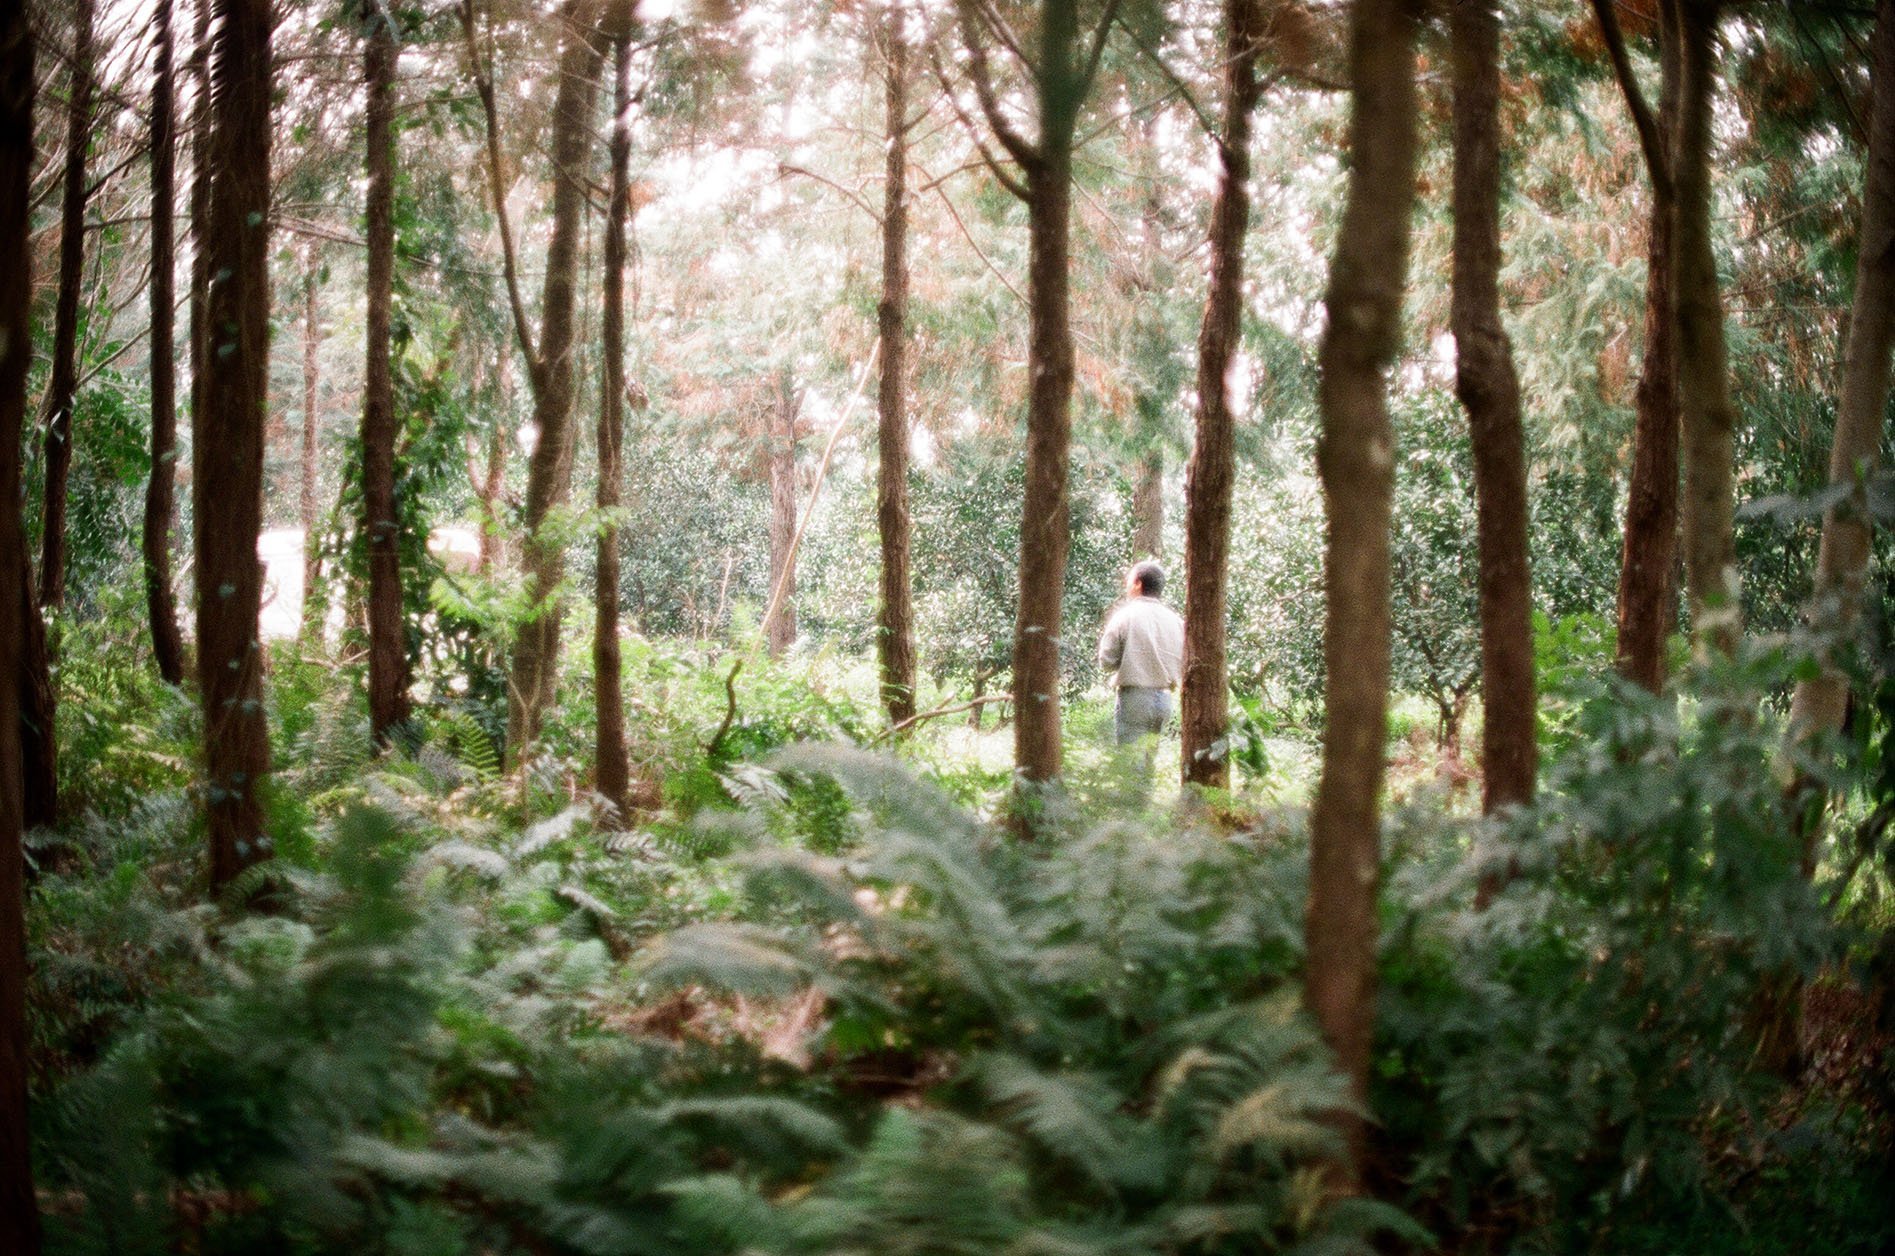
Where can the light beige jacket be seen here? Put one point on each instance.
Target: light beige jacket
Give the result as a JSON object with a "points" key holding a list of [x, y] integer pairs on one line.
{"points": [[1144, 642]]}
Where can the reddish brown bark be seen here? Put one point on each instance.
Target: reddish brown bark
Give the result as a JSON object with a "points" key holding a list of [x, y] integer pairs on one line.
{"points": [[161, 485], [612, 770], [381, 513], [1211, 475], [779, 625], [1490, 390], [535, 670], [227, 440], [895, 638], [63, 386], [19, 1207], [1647, 599], [200, 201], [1356, 458], [1708, 419]]}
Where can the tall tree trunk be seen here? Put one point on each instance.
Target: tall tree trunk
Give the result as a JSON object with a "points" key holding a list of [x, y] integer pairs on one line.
{"points": [[381, 514], [1490, 389], [63, 387], [1356, 458], [895, 642], [1647, 589], [779, 628], [1708, 417], [494, 479], [227, 440], [1842, 558], [1045, 516], [19, 1207], [1148, 505], [612, 771], [161, 486], [1209, 478], [200, 196], [549, 476], [311, 620]]}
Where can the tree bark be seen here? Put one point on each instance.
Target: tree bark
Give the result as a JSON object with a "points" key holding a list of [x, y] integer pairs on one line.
{"points": [[161, 486], [1490, 390], [200, 200], [1210, 477], [779, 629], [1708, 418], [227, 440], [1355, 457], [895, 642], [1647, 593], [19, 1207], [612, 771], [63, 387], [381, 513], [1842, 557], [494, 479], [311, 620], [1148, 506], [535, 671]]}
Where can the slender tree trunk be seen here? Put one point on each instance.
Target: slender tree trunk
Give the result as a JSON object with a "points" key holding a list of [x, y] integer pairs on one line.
{"points": [[779, 630], [1210, 477], [381, 514], [63, 387], [1708, 417], [1356, 458], [19, 1207], [310, 509], [161, 486], [1148, 506], [895, 641], [200, 196], [227, 440], [492, 540], [612, 771], [1490, 389], [1045, 517], [549, 477], [1842, 558]]}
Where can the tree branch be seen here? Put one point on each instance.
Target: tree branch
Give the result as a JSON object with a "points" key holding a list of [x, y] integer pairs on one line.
{"points": [[977, 70], [483, 87], [999, 172], [1657, 160]]}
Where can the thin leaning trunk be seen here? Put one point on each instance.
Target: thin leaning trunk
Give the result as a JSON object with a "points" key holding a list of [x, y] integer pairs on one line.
{"points": [[1489, 388], [19, 1205], [227, 441], [161, 603], [895, 639], [63, 387], [1842, 558], [200, 199], [1708, 418], [535, 670], [612, 770], [308, 506], [1204, 706], [779, 629], [1356, 458], [381, 513]]}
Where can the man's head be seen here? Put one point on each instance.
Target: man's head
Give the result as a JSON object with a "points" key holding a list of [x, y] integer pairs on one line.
{"points": [[1146, 579]]}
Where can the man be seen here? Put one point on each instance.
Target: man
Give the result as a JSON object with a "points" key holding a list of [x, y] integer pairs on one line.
{"points": [[1144, 643]]}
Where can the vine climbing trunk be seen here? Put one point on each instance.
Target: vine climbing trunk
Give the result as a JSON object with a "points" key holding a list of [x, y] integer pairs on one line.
{"points": [[167, 644], [1356, 459], [228, 436], [611, 768], [1708, 418], [535, 670], [895, 639], [1489, 388], [381, 512], [779, 629], [19, 1205], [1204, 705], [63, 386]]}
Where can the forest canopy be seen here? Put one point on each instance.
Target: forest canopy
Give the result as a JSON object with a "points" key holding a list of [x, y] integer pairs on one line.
{"points": [[946, 626]]}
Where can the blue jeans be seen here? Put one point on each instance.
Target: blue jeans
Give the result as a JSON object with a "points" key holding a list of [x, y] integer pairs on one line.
{"points": [[1140, 713]]}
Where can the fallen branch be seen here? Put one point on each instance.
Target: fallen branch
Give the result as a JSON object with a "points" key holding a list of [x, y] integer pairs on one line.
{"points": [[730, 709], [956, 709]]}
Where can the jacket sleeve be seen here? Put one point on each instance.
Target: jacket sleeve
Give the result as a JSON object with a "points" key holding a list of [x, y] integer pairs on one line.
{"points": [[1112, 644]]}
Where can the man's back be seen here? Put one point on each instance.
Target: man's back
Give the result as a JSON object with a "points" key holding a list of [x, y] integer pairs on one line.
{"points": [[1144, 642]]}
